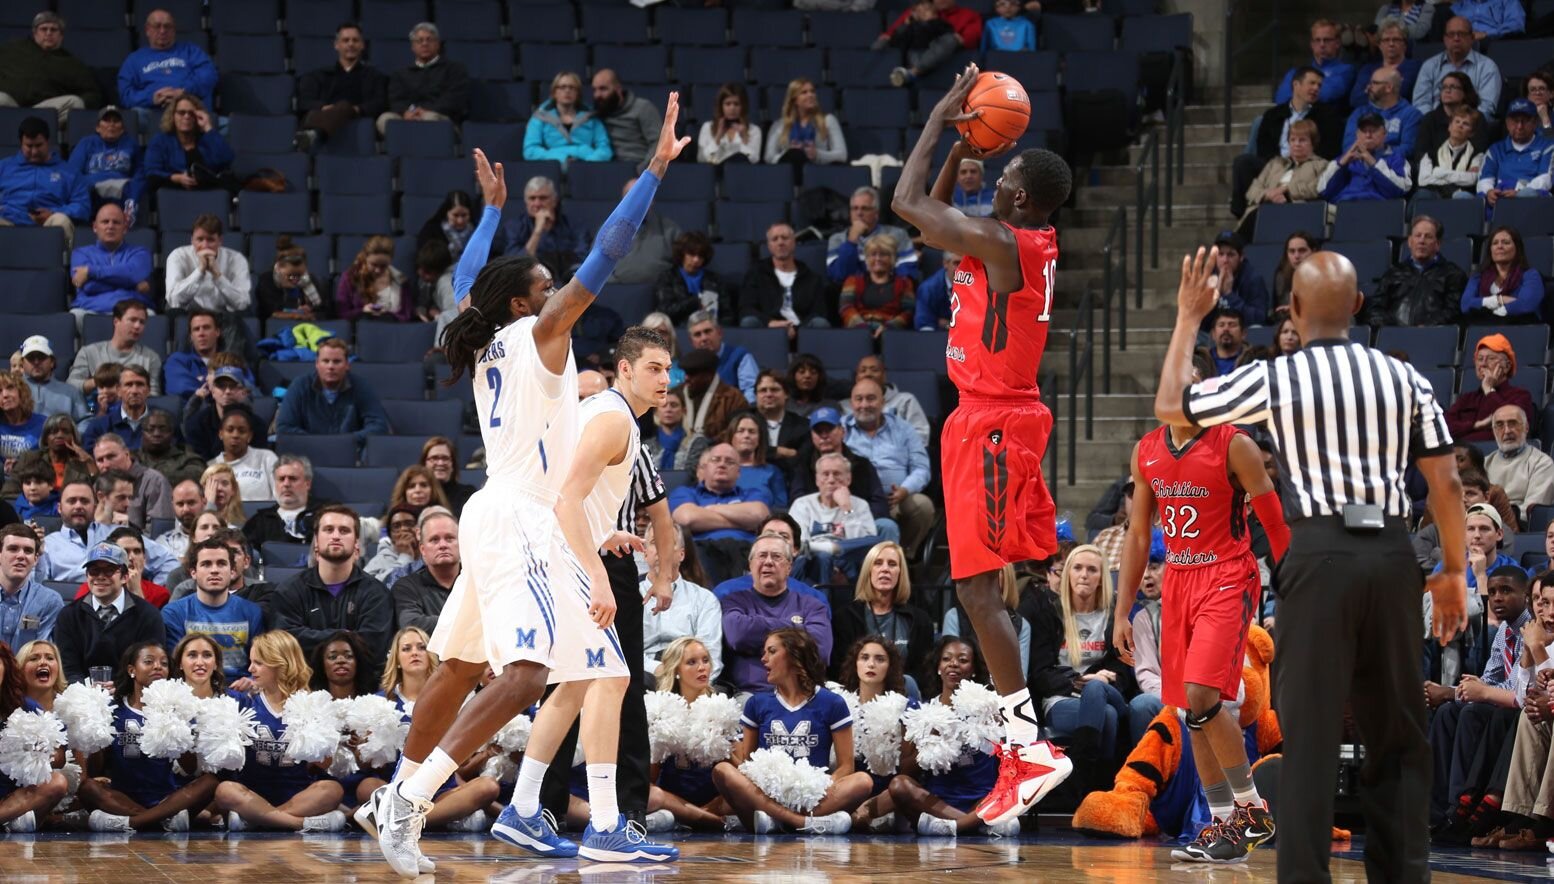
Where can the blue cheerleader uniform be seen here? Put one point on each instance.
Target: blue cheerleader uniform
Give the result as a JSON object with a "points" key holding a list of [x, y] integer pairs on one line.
{"points": [[266, 770], [803, 731], [145, 780], [968, 782]]}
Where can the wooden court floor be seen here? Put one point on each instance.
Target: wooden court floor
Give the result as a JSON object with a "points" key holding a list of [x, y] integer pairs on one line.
{"points": [[1048, 856]]}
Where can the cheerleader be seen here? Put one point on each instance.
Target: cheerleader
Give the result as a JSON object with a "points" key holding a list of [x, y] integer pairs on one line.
{"points": [[458, 807], [683, 792], [876, 668], [139, 792], [803, 718], [272, 792], [339, 667], [197, 661], [20, 806], [42, 676], [944, 802]]}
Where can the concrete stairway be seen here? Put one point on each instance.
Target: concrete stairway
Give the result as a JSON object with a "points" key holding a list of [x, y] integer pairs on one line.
{"points": [[1200, 211]]}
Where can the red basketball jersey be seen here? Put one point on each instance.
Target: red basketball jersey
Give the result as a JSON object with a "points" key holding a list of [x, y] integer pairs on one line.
{"points": [[997, 338], [1202, 516]]}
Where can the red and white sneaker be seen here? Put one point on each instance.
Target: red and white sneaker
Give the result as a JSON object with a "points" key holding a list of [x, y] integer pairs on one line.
{"points": [[1025, 775]]}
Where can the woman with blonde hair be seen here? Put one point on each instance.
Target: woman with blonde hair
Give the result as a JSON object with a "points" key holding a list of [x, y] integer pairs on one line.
{"points": [[563, 128], [729, 135], [805, 133], [20, 429], [189, 153], [42, 677], [881, 606], [272, 791], [683, 791], [222, 495], [373, 288]]}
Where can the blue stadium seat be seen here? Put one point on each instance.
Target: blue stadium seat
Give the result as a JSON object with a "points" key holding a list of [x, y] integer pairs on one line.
{"points": [[1426, 346], [1458, 217], [1530, 342], [392, 380], [31, 248], [811, 254], [1539, 517], [58, 327], [353, 175], [925, 386], [519, 172], [635, 65], [80, 126], [864, 67], [252, 53], [434, 138], [468, 444], [417, 417], [589, 215], [542, 61], [273, 376], [396, 452], [424, 176], [1371, 259], [690, 181], [294, 166], [87, 14], [91, 43], [1442, 383], [188, 13], [1530, 216], [750, 183], [459, 391], [1540, 254], [1459, 251], [366, 214], [1360, 334], [415, 209], [1087, 71], [1360, 220], [262, 134], [765, 27], [876, 107], [1518, 58], [862, 141], [485, 60], [844, 30], [274, 212], [602, 181], [356, 139], [248, 17], [354, 484], [708, 64], [177, 209], [261, 255], [689, 215], [1036, 71], [632, 302], [502, 143], [99, 327], [488, 102], [392, 341], [391, 19], [35, 291], [691, 27], [1276, 222], [1078, 33], [318, 18], [1157, 33], [1046, 113], [544, 23], [268, 95], [839, 349], [769, 346], [12, 117], [1131, 8], [615, 23], [730, 260], [914, 350], [460, 20], [676, 478], [275, 554], [308, 54], [787, 65], [842, 179]]}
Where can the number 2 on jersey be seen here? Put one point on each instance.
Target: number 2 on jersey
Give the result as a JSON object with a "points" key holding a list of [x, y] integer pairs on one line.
{"points": [[1189, 515], [494, 381]]}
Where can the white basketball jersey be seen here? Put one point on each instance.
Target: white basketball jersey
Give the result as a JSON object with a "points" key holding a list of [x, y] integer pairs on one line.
{"points": [[602, 506], [528, 416]]}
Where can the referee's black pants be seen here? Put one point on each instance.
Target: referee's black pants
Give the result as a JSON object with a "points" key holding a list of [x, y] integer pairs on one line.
{"points": [[1348, 632], [631, 772]]}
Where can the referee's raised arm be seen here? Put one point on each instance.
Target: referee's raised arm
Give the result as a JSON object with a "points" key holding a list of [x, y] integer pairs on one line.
{"points": [[1196, 297]]}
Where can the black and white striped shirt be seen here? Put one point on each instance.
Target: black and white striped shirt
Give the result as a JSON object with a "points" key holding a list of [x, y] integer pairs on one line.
{"points": [[647, 488], [1344, 418]]}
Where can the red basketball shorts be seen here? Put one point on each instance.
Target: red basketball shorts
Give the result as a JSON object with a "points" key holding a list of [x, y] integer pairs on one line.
{"points": [[1204, 615], [997, 508]]}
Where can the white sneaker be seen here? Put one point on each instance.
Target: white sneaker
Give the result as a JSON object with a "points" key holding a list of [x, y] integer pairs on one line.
{"points": [[107, 822], [475, 822], [178, 822], [1005, 829], [883, 823], [764, 823], [932, 826], [732, 823], [831, 824], [659, 821], [236, 823], [333, 821], [366, 816], [400, 821], [22, 824]]}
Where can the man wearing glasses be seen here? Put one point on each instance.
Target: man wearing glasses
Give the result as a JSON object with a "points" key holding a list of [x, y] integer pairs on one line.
{"points": [[164, 69], [1459, 55], [38, 71], [1393, 40], [1338, 75]]}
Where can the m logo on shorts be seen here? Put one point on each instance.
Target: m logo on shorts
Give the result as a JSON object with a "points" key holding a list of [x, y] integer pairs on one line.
{"points": [[526, 638], [595, 657]]}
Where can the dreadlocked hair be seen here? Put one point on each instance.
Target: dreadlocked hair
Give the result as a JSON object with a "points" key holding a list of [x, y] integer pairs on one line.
{"points": [[468, 335]]}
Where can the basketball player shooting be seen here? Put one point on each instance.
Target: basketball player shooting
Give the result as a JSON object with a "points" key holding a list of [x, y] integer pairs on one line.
{"points": [[520, 605], [997, 507], [1200, 479]]}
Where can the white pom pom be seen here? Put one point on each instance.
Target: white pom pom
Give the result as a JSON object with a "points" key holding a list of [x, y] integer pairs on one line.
{"points": [[312, 727], [796, 785], [878, 733], [514, 736], [87, 711], [224, 731], [27, 746], [381, 728], [667, 716], [713, 730], [980, 715], [500, 768], [344, 762], [169, 708], [72, 772], [172, 695], [938, 734]]}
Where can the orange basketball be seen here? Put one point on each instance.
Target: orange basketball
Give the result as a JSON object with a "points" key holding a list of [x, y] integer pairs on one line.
{"points": [[1006, 111]]}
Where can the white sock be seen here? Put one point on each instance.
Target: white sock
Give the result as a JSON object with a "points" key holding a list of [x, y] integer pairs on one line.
{"points": [[1019, 717], [406, 769], [526, 792], [603, 810], [430, 776]]}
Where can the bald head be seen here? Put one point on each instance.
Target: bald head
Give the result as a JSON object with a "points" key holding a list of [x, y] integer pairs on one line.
{"points": [[589, 383], [1324, 296]]}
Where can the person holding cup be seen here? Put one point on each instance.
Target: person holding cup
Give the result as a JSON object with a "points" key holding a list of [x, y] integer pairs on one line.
{"points": [[95, 631]]}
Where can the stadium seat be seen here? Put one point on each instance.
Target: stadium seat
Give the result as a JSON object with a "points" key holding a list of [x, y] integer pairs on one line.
{"points": [[1442, 383], [252, 53], [248, 17], [764, 27], [396, 452], [87, 14], [842, 179], [787, 65], [1458, 218], [769, 346], [692, 27], [811, 253], [266, 95], [1370, 259], [1156, 33], [256, 134], [914, 350], [1531, 342], [354, 484], [863, 67], [1518, 58], [864, 140], [730, 260], [188, 13], [1078, 33], [417, 417], [176, 209], [876, 107], [58, 327], [485, 60], [459, 391], [631, 301], [842, 30], [544, 23], [501, 142], [31, 248], [589, 215], [460, 20], [1459, 251], [690, 181], [274, 212], [1276, 222], [311, 53], [1539, 517], [468, 445], [322, 450], [1426, 346], [356, 138], [402, 138], [12, 117], [602, 181], [261, 256], [353, 175], [1360, 334], [401, 380], [365, 214], [1530, 216], [708, 64], [112, 43], [689, 215], [925, 386], [291, 165], [676, 478], [385, 19], [747, 221], [1101, 98], [35, 291], [750, 183], [277, 377], [615, 23], [541, 61], [425, 176], [1361, 220], [839, 349], [634, 65], [277, 575], [392, 341], [283, 555], [1036, 71]]}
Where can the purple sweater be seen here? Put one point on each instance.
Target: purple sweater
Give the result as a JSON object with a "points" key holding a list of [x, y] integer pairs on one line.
{"points": [[748, 616]]}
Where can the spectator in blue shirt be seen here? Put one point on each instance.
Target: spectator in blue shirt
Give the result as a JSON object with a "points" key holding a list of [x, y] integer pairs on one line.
{"points": [[972, 195], [1492, 18], [933, 297], [1459, 55], [544, 231], [1384, 94], [231, 620], [1326, 56], [1505, 288], [188, 153], [28, 609], [898, 455], [21, 428], [1519, 165], [157, 75], [722, 516], [65, 550], [844, 250], [189, 368], [1392, 38], [38, 497], [108, 160], [330, 401], [1008, 30], [1368, 170], [37, 188], [110, 270]]}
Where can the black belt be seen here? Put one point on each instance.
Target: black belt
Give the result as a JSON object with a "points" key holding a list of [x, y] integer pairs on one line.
{"points": [[1389, 524]]}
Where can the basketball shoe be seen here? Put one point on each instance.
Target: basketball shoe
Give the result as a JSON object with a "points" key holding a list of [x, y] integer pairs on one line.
{"points": [[626, 843], [366, 816], [536, 834], [1026, 774], [400, 819]]}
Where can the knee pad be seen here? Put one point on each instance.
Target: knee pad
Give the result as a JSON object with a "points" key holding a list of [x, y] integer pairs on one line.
{"points": [[1196, 722]]}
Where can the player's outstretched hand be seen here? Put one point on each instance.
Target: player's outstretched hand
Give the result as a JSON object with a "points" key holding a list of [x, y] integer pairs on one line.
{"points": [[1198, 292], [621, 543], [1448, 603], [492, 178], [669, 145], [601, 599], [949, 108]]}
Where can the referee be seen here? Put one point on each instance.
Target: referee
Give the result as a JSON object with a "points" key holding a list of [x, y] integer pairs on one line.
{"points": [[1345, 421], [631, 784]]}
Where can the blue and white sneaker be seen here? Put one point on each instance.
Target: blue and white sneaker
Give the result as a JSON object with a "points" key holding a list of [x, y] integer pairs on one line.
{"points": [[626, 843], [536, 834]]}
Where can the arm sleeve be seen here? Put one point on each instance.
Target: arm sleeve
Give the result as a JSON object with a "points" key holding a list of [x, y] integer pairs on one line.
{"points": [[1241, 397], [1488, 89], [1424, 87], [135, 270], [1408, 133], [131, 92], [534, 143], [596, 146], [233, 285], [745, 630], [919, 469], [159, 158], [817, 622], [215, 150], [835, 148], [184, 279], [748, 370], [476, 251], [289, 418], [310, 93], [1529, 295], [172, 626], [1392, 182], [709, 628], [374, 419], [1146, 656], [376, 623]]}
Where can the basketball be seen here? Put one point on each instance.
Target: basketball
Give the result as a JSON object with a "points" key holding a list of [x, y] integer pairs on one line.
{"points": [[1006, 111]]}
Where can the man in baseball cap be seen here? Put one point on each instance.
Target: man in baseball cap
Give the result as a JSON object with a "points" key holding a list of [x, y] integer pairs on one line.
{"points": [[1369, 169], [1519, 165], [50, 395], [826, 436], [96, 630]]}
